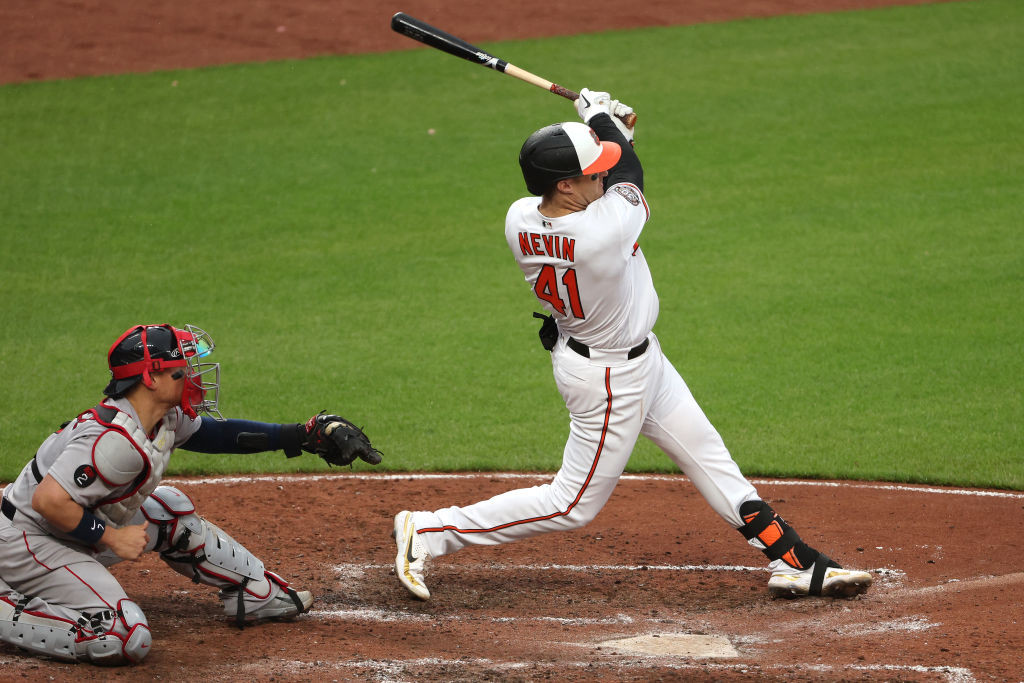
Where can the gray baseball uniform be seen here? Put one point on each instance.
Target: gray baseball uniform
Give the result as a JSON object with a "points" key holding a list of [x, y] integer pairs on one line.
{"points": [[57, 596]]}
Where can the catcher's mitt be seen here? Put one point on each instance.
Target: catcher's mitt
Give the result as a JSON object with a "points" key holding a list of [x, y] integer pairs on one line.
{"points": [[338, 441]]}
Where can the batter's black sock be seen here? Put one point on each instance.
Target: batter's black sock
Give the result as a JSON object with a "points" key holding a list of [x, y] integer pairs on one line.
{"points": [[777, 540]]}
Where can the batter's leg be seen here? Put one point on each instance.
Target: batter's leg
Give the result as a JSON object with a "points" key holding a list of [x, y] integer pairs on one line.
{"points": [[606, 412], [678, 426], [605, 418]]}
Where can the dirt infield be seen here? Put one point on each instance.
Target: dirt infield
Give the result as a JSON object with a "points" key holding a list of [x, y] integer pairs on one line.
{"points": [[655, 564], [46, 39]]}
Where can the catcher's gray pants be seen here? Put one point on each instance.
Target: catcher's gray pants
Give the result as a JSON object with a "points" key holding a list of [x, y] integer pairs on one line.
{"points": [[57, 599]]}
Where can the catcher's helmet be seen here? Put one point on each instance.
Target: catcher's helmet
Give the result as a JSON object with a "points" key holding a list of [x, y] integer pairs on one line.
{"points": [[140, 350], [564, 150], [144, 349]]}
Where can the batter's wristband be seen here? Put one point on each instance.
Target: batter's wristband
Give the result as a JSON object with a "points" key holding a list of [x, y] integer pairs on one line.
{"points": [[89, 530]]}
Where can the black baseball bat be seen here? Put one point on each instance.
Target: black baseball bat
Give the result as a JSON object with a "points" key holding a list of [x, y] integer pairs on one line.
{"points": [[423, 32]]}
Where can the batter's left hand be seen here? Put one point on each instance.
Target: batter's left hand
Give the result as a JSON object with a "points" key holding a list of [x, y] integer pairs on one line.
{"points": [[591, 103]]}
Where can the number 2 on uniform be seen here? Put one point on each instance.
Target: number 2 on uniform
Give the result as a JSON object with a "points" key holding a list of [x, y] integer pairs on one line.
{"points": [[546, 288]]}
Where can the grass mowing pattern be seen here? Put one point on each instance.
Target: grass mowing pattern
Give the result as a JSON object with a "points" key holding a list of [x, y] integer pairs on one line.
{"points": [[835, 237]]}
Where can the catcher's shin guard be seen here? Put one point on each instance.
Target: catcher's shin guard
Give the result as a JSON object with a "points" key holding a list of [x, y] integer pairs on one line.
{"points": [[106, 638], [197, 548], [769, 533]]}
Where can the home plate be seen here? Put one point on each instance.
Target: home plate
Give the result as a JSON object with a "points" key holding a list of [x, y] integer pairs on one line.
{"points": [[676, 644]]}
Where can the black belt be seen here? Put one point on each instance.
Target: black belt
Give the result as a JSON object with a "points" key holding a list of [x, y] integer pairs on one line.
{"points": [[8, 509], [584, 350]]}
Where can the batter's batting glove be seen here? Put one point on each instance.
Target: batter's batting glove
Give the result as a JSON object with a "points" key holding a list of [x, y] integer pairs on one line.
{"points": [[337, 441], [591, 103], [620, 111]]}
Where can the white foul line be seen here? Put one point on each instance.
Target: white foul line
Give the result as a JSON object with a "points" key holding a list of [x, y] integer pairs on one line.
{"points": [[548, 476]]}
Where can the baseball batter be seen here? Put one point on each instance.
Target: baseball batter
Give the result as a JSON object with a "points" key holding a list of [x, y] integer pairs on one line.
{"points": [[577, 243], [91, 497]]}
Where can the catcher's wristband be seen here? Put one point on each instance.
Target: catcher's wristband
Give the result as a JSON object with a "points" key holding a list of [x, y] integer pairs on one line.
{"points": [[292, 438], [90, 529]]}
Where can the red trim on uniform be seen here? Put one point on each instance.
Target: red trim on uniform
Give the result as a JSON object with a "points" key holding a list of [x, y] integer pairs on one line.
{"points": [[176, 513], [590, 475], [86, 584], [136, 483], [24, 535], [115, 428], [44, 615]]}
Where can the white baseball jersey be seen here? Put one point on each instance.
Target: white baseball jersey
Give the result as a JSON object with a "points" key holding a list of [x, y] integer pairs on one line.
{"points": [[587, 268]]}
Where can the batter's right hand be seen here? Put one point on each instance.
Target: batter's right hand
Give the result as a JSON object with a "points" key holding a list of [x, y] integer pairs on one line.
{"points": [[591, 103], [128, 542], [619, 112]]}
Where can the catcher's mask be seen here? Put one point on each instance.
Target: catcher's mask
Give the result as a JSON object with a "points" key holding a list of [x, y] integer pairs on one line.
{"points": [[144, 349], [564, 150]]}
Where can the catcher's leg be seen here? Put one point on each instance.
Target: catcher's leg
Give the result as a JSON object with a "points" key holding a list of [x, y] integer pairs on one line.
{"points": [[198, 549], [107, 635]]}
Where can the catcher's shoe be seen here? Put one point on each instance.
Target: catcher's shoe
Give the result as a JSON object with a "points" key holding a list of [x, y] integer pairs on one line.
{"points": [[411, 560], [824, 578], [286, 604]]}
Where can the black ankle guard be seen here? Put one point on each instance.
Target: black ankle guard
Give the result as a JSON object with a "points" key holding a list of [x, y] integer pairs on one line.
{"points": [[821, 564], [780, 541]]}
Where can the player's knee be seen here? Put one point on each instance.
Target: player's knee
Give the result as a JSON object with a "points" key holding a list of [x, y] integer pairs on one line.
{"points": [[174, 515], [127, 640], [580, 516], [106, 637]]}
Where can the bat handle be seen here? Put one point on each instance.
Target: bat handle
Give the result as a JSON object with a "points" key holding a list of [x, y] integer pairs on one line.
{"points": [[628, 119]]}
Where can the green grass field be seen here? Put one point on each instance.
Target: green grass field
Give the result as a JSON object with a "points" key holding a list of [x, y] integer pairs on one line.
{"points": [[836, 237]]}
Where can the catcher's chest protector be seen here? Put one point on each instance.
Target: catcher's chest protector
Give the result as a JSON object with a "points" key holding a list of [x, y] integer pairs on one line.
{"points": [[124, 455]]}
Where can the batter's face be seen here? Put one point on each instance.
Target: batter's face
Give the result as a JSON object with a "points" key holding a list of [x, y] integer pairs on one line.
{"points": [[589, 188]]}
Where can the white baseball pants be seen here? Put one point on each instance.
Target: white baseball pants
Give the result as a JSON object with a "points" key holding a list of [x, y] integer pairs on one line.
{"points": [[611, 401]]}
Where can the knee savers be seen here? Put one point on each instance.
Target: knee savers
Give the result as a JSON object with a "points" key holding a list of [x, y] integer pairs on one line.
{"points": [[110, 637], [197, 548]]}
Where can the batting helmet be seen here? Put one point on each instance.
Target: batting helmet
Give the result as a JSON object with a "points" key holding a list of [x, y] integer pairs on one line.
{"points": [[564, 150]]}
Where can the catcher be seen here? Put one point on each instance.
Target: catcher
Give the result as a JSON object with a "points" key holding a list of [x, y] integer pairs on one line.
{"points": [[91, 498]]}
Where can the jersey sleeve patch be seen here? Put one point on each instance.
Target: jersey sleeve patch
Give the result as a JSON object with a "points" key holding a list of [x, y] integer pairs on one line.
{"points": [[628, 193], [116, 459], [85, 475]]}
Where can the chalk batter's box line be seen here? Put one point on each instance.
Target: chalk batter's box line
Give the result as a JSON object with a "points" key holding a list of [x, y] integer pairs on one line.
{"points": [[343, 568]]}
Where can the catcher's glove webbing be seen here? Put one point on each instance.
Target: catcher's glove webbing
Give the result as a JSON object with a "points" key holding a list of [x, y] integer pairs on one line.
{"points": [[338, 441]]}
